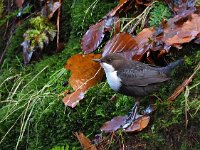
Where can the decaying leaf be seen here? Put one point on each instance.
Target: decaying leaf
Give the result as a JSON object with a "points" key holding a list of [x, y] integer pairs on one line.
{"points": [[181, 6], [131, 47], [50, 8], [85, 142], [179, 32], [139, 124], [85, 74], [143, 2], [121, 42], [117, 122], [114, 124], [19, 3], [94, 36]]}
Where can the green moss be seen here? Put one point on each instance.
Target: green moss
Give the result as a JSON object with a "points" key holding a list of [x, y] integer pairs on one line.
{"points": [[52, 124], [86, 12], [159, 12]]}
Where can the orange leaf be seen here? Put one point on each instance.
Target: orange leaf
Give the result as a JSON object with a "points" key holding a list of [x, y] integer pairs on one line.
{"points": [[139, 124], [85, 74], [85, 142], [116, 123]]}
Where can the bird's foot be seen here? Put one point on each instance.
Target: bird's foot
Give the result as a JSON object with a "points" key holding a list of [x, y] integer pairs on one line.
{"points": [[133, 115], [148, 110]]}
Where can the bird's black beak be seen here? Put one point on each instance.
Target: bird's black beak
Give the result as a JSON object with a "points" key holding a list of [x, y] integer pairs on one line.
{"points": [[97, 60]]}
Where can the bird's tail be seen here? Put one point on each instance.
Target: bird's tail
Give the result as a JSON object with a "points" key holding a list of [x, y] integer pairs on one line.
{"points": [[171, 66]]}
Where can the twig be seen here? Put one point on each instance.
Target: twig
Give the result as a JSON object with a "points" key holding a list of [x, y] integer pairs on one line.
{"points": [[58, 28]]}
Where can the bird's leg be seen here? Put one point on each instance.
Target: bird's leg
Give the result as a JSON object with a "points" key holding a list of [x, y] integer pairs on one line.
{"points": [[132, 115]]}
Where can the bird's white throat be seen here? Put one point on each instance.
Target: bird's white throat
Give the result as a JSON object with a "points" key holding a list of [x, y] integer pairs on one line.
{"points": [[113, 80]]}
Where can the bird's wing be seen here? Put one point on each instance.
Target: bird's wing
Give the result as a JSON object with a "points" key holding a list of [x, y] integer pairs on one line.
{"points": [[141, 77]]}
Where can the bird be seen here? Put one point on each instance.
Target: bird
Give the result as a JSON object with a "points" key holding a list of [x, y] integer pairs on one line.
{"points": [[134, 78]]}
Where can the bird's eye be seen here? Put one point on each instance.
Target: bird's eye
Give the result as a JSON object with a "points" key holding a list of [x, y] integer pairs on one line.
{"points": [[109, 59]]}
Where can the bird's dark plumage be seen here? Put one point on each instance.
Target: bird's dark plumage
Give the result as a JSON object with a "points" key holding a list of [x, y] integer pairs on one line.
{"points": [[134, 78], [138, 79]]}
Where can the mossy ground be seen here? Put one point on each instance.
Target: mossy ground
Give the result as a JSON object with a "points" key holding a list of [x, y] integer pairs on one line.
{"points": [[52, 124]]}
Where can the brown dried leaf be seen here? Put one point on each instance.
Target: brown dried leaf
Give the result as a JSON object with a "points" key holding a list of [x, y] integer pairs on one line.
{"points": [[117, 122], [139, 124], [119, 7], [53, 9], [131, 47], [175, 34], [85, 142], [144, 2], [144, 40], [121, 42], [94, 36], [85, 74], [114, 124], [19, 3]]}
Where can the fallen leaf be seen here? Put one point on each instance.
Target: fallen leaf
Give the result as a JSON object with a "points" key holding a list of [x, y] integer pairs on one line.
{"points": [[121, 42], [143, 2], [117, 122], [19, 3], [175, 34], [120, 7], [85, 74], [131, 47], [95, 34], [85, 142], [139, 124], [145, 42], [181, 6], [114, 124], [53, 9]]}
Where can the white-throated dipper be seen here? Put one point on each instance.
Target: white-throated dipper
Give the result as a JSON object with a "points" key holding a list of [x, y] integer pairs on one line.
{"points": [[134, 78]]}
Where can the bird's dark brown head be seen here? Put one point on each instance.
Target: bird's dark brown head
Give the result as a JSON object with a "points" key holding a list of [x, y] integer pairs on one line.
{"points": [[113, 59]]}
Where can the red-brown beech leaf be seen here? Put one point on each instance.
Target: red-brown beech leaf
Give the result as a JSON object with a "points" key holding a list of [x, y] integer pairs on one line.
{"points": [[144, 41], [114, 124], [144, 2], [94, 36], [19, 3], [85, 142], [85, 74], [117, 122], [139, 124], [121, 42], [177, 34], [131, 47], [119, 7]]}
